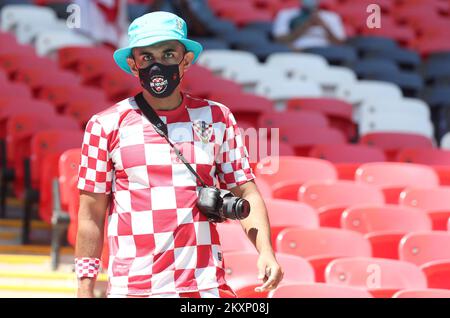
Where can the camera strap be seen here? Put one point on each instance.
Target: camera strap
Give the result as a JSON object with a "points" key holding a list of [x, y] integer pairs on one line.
{"points": [[161, 129]]}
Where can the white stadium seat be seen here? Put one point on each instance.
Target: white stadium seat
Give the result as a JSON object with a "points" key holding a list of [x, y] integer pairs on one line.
{"points": [[395, 123], [218, 60], [11, 15], [293, 63], [48, 42], [364, 90], [329, 78], [445, 143], [283, 91], [250, 76], [407, 107], [27, 31], [360, 92]]}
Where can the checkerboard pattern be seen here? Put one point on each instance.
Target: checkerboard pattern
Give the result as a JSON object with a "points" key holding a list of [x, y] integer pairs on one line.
{"points": [[87, 267], [159, 241]]}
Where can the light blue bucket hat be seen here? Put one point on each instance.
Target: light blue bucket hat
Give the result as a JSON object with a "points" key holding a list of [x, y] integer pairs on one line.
{"points": [[153, 28]]}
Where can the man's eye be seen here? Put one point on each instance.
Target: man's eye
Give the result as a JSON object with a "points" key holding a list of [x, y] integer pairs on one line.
{"points": [[147, 58], [169, 55]]}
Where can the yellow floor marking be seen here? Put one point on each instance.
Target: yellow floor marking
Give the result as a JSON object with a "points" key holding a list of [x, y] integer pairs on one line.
{"points": [[35, 224]]}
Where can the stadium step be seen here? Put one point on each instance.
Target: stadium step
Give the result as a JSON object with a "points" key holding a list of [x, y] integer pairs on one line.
{"points": [[30, 276], [25, 270]]}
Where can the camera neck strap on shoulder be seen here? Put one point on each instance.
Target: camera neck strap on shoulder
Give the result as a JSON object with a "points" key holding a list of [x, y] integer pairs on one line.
{"points": [[161, 129]]}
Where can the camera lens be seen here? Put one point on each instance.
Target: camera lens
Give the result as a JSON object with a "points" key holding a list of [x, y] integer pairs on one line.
{"points": [[242, 209], [235, 208]]}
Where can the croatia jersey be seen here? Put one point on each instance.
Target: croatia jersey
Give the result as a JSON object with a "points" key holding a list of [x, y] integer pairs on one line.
{"points": [[159, 242]]}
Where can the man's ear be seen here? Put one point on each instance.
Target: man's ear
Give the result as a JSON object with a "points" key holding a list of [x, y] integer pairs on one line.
{"points": [[133, 67], [187, 61]]}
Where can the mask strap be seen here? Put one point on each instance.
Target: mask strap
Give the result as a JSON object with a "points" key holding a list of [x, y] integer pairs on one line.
{"points": [[181, 77]]}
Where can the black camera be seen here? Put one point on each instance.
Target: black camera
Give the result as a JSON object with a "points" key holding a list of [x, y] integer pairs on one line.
{"points": [[218, 205]]}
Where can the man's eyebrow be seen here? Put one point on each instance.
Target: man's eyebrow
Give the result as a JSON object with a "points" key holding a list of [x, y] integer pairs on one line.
{"points": [[167, 50]]}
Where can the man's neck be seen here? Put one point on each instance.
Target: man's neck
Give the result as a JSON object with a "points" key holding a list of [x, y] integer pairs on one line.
{"points": [[169, 103]]}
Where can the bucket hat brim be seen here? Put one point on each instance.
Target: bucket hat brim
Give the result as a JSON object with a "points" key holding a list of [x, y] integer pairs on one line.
{"points": [[121, 55]]}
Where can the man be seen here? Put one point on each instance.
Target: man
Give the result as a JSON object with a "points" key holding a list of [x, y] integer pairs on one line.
{"points": [[160, 244], [308, 27]]}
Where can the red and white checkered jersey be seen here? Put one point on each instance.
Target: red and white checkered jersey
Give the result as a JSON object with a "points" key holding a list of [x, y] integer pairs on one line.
{"points": [[159, 241]]}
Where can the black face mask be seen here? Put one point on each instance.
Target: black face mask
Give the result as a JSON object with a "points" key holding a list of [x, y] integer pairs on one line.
{"points": [[160, 80]]}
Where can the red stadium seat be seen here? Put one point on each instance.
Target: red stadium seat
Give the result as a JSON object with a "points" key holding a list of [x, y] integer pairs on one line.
{"points": [[35, 78], [83, 108], [70, 56], [434, 201], [429, 251], [42, 144], [347, 158], [69, 196], [197, 72], [382, 277], [391, 143], [285, 175], [241, 13], [320, 246], [338, 112], [403, 34], [60, 95], [438, 159], [318, 291], [393, 177], [260, 147], [118, 87], [241, 272], [423, 247], [331, 198], [424, 156], [15, 105], [286, 213], [245, 107], [20, 129], [7, 39], [243, 18], [204, 87], [92, 69], [12, 89], [422, 293], [304, 138], [384, 226], [414, 15], [443, 173], [13, 62], [292, 118], [354, 13], [68, 165]]}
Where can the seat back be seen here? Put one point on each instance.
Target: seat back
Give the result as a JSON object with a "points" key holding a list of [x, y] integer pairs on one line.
{"points": [[423, 247], [318, 291], [374, 273], [322, 242]]}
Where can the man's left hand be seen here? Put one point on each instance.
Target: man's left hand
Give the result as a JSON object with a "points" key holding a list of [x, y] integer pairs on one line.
{"points": [[269, 271]]}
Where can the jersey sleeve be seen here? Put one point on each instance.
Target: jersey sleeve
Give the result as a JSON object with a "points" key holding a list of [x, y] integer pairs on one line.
{"points": [[232, 162], [95, 170]]}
